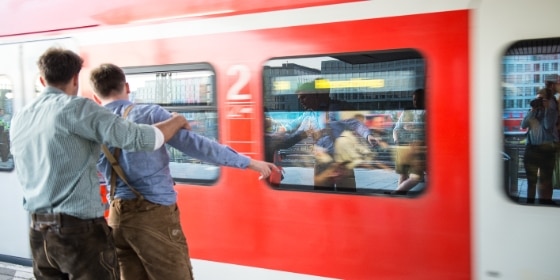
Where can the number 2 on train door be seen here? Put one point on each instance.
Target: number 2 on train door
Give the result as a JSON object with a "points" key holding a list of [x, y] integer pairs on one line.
{"points": [[238, 97]]}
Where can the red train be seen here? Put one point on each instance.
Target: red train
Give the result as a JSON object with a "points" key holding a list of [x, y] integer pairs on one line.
{"points": [[221, 63]]}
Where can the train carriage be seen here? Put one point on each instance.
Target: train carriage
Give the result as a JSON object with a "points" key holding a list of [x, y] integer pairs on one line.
{"points": [[228, 66]]}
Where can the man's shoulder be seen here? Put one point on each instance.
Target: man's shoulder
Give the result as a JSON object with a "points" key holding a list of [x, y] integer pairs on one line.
{"points": [[150, 113], [156, 111], [148, 107]]}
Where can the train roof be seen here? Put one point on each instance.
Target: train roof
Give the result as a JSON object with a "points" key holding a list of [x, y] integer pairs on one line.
{"points": [[25, 17]]}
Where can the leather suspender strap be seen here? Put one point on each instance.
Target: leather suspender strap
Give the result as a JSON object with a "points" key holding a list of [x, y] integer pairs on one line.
{"points": [[116, 169]]}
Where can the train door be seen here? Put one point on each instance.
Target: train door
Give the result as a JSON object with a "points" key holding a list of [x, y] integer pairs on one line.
{"points": [[11, 210], [516, 219], [19, 84]]}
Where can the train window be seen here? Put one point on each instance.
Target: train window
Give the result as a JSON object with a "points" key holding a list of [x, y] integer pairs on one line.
{"points": [[352, 123], [6, 111], [531, 88], [188, 90]]}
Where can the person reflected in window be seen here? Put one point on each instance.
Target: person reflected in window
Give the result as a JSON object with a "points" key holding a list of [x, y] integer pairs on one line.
{"points": [[4, 136], [377, 126], [276, 138], [379, 131], [410, 153], [552, 82], [4, 117], [321, 114], [540, 150]]}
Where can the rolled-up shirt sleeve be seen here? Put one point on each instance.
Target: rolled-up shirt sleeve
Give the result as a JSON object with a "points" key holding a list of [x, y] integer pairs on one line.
{"points": [[160, 138], [99, 124]]}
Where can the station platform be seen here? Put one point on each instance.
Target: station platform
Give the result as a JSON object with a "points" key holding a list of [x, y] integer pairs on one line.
{"points": [[12, 271], [203, 270], [9, 271]]}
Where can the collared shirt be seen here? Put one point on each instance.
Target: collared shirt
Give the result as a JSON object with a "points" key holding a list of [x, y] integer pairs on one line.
{"points": [[410, 127], [334, 129], [328, 122], [541, 125], [55, 142], [148, 172], [317, 119]]}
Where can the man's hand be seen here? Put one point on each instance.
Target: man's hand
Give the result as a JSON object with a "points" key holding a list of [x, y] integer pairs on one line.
{"points": [[170, 126], [186, 125], [372, 140], [263, 167]]}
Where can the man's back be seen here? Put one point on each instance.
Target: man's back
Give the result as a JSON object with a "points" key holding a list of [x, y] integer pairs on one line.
{"points": [[55, 143], [52, 160], [147, 172]]}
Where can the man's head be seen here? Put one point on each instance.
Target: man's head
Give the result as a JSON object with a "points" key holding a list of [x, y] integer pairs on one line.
{"points": [[545, 93], [551, 82], [108, 80], [537, 103], [268, 124], [314, 95], [60, 68], [418, 99]]}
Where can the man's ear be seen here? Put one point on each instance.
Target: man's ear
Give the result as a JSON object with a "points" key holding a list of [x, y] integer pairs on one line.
{"points": [[127, 88], [42, 80]]}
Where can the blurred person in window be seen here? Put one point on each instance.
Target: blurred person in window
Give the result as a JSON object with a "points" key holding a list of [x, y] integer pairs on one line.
{"points": [[55, 142], [4, 117], [4, 136], [409, 135], [321, 115], [144, 216], [272, 125], [540, 152], [552, 83], [377, 126], [379, 131], [277, 139]]}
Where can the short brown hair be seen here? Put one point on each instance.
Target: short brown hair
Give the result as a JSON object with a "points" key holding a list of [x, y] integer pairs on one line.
{"points": [[58, 66], [107, 78]]}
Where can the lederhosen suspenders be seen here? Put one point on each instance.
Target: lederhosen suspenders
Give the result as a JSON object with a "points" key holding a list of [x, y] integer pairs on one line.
{"points": [[116, 169]]}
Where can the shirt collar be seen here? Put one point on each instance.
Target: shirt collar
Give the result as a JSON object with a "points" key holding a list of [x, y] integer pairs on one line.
{"points": [[53, 90], [117, 103]]}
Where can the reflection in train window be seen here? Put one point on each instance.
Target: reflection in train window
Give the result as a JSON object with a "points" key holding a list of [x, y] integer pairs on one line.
{"points": [[530, 88], [352, 123], [190, 91], [6, 112]]}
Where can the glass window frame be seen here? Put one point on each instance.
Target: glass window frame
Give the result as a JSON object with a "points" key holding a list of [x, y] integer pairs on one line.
{"points": [[540, 62], [187, 109], [339, 73]]}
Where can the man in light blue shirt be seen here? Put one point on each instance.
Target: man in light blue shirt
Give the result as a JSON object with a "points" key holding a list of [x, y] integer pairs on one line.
{"points": [[143, 218], [55, 144]]}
